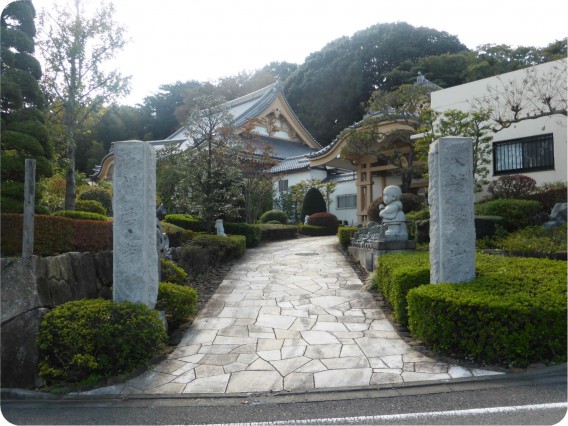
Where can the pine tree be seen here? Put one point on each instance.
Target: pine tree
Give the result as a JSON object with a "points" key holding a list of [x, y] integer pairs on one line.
{"points": [[24, 134]]}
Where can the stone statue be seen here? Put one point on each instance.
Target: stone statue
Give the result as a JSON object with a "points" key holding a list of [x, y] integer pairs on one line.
{"points": [[306, 220], [392, 214], [161, 212], [219, 228], [557, 216]]}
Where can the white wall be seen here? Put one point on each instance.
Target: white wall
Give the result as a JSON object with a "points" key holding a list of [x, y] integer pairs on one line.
{"points": [[349, 215], [462, 97]]}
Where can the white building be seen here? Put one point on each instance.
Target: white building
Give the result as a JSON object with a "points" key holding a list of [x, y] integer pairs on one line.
{"points": [[533, 147]]}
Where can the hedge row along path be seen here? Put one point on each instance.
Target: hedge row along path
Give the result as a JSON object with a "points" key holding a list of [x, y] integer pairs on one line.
{"points": [[289, 316]]}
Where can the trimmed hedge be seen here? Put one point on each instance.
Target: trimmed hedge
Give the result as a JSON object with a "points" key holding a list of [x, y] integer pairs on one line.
{"points": [[345, 234], [178, 301], [99, 194], [313, 231], [94, 338], [220, 249], [535, 241], [186, 221], [91, 206], [274, 232], [277, 215], [251, 232], [396, 274], [55, 235], [513, 313], [516, 214], [327, 220], [177, 236], [172, 273], [75, 214]]}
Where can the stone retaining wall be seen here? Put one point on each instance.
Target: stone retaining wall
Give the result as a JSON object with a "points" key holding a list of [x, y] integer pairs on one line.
{"points": [[29, 289]]}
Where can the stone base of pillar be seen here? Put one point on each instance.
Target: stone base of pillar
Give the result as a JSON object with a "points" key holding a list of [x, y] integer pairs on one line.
{"points": [[367, 257]]}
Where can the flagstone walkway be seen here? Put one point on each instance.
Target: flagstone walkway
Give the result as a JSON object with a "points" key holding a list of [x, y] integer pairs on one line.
{"points": [[290, 316]]}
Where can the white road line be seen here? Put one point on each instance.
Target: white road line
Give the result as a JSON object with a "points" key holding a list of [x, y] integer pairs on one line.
{"points": [[405, 416]]}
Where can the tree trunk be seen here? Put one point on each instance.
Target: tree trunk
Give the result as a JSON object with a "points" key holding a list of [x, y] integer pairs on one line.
{"points": [[70, 184]]}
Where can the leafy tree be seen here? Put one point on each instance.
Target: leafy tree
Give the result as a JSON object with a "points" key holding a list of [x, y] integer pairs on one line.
{"points": [[537, 94], [474, 125], [328, 89], [409, 105], [75, 48], [210, 180], [23, 130], [313, 202]]}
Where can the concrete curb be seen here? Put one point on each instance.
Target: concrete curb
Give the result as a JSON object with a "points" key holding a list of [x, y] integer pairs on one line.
{"points": [[383, 391]]}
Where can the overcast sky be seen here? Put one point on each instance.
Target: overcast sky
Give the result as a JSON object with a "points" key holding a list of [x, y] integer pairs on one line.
{"points": [[181, 40]]}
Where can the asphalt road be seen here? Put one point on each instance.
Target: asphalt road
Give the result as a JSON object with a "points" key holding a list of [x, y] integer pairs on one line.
{"points": [[522, 399]]}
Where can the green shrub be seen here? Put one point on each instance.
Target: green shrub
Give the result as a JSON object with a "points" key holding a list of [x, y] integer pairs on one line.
{"points": [[312, 231], [514, 312], [536, 240], [172, 273], [277, 215], [415, 230], [99, 194], [73, 214], [274, 232], [55, 235], [178, 301], [549, 194], [186, 221], [274, 222], [221, 249], [313, 203], [327, 220], [194, 260], [251, 232], [91, 206], [396, 274], [345, 234], [516, 214], [488, 226], [177, 236], [512, 187], [96, 338]]}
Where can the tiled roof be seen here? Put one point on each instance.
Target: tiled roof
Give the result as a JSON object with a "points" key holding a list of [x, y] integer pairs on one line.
{"points": [[343, 177], [281, 149], [294, 163]]}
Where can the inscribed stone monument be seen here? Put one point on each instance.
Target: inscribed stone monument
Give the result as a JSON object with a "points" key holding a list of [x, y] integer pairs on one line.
{"points": [[135, 258], [452, 219]]}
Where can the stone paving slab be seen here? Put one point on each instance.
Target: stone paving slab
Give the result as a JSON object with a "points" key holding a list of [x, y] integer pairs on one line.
{"points": [[290, 316]]}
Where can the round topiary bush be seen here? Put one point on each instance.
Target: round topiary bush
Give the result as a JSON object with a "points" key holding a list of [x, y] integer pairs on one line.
{"points": [[94, 338], [327, 220], [177, 301], [274, 215], [91, 206], [516, 214], [512, 187], [313, 203], [99, 194]]}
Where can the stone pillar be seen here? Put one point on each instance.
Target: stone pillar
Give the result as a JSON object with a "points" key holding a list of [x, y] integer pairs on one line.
{"points": [[29, 208], [135, 258], [452, 225]]}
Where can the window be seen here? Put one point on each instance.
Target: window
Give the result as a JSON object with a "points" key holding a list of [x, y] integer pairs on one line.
{"points": [[283, 185], [524, 154], [347, 201]]}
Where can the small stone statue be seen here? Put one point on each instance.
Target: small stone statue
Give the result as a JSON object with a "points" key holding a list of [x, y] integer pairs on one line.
{"points": [[306, 220], [161, 212], [392, 214], [219, 228], [557, 216]]}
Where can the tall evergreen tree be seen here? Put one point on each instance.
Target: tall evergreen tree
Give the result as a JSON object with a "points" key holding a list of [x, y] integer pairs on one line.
{"points": [[24, 134]]}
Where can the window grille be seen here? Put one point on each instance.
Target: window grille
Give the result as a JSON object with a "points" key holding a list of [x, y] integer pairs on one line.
{"points": [[283, 185], [347, 201], [524, 154]]}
